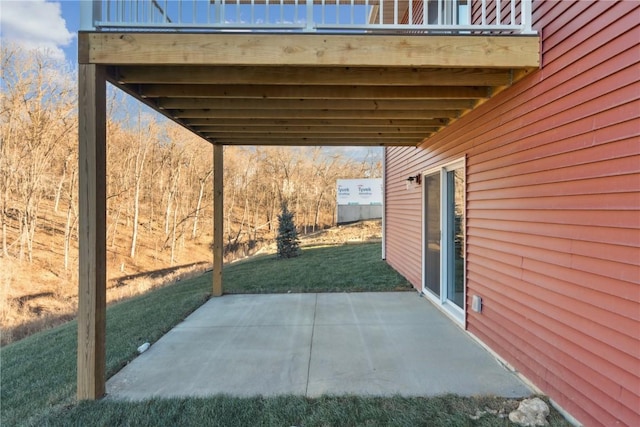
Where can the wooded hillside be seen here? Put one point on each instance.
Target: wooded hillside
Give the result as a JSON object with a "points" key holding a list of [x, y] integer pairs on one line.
{"points": [[159, 192]]}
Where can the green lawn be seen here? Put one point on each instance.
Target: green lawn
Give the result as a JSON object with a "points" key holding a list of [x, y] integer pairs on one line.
{"points": [[346, 268], [37, 385]]}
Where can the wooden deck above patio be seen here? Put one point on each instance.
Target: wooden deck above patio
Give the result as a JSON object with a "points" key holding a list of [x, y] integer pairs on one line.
{"points": [[310, 89]]}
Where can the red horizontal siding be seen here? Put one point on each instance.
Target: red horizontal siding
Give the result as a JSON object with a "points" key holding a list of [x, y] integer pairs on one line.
{"points": [[560, 350], [559, 365], [558, 251], [403, 213], [591, 33], [617, 184], [575, 137], [574, 239], [612, 200], [628, 220], [553, 211], [569, 173], [593, 295], [549, 305]]}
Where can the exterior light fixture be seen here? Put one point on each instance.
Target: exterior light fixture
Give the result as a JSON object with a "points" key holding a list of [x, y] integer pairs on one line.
{"points": [[417, 179], [414, 180]]}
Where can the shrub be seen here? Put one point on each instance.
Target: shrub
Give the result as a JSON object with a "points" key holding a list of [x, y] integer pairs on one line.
{"points": [[287, 239]]}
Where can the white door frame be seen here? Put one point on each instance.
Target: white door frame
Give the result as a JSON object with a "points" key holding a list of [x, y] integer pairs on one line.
{"points": [[441, 301]]}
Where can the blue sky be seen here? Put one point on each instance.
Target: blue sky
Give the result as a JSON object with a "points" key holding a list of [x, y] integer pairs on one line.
{"points": [[70, 12], [47, 25]]}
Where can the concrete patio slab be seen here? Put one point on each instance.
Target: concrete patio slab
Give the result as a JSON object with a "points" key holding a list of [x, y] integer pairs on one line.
{"points": [[313, 344]]}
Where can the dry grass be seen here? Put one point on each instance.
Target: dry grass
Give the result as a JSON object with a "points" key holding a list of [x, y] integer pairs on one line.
{"points": [[39, 295], [128, 286], [28, 309], [48, 304]]}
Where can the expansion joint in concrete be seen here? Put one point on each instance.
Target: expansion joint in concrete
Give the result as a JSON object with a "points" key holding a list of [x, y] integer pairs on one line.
{"points": [[313, 328]]}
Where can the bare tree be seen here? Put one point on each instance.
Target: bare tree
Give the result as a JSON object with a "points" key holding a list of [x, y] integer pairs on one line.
{"points": [[37, 115], [72, 211], [141, 146], [118, 184], [203, 180], [174, 156]]}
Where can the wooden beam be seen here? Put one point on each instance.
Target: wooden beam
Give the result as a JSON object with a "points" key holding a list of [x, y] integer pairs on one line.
{"points": [[311, 104], [312, 114], [381, 76], [313, 92], [365, 50], [335, 142], [338, 122], [342, 130], [218, 219], [274, 136], [92, 276]]}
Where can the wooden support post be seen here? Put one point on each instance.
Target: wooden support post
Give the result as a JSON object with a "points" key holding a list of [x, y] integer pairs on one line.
{"points": [[218, 219], [92, 279]]}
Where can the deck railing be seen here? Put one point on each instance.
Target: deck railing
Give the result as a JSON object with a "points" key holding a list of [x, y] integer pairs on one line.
{"points": [[342, 16]]}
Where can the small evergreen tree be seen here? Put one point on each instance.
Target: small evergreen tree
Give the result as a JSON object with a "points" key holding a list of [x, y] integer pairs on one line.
{"points": [[287, 239]]}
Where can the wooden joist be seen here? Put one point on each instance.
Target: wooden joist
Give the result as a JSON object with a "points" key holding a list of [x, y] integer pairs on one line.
{"points": [[258, 91], [326, 142], [314, 114], [302, 122], [315, 130], [269, 75], [312, 104]]}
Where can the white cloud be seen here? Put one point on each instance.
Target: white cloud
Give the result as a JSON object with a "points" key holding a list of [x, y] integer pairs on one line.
{"points": [[35, 24]]}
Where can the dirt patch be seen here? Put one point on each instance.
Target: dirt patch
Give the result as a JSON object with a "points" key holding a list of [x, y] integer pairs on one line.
{"points": [[357, 232]]}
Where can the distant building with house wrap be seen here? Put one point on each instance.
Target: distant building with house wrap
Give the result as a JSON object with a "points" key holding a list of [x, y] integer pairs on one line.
{"points": [[358, 199]]}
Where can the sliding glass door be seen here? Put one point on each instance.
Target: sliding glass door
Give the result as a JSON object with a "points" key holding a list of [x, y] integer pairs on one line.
{"points": [[454, 259], [432, 232], [444, 236]]}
